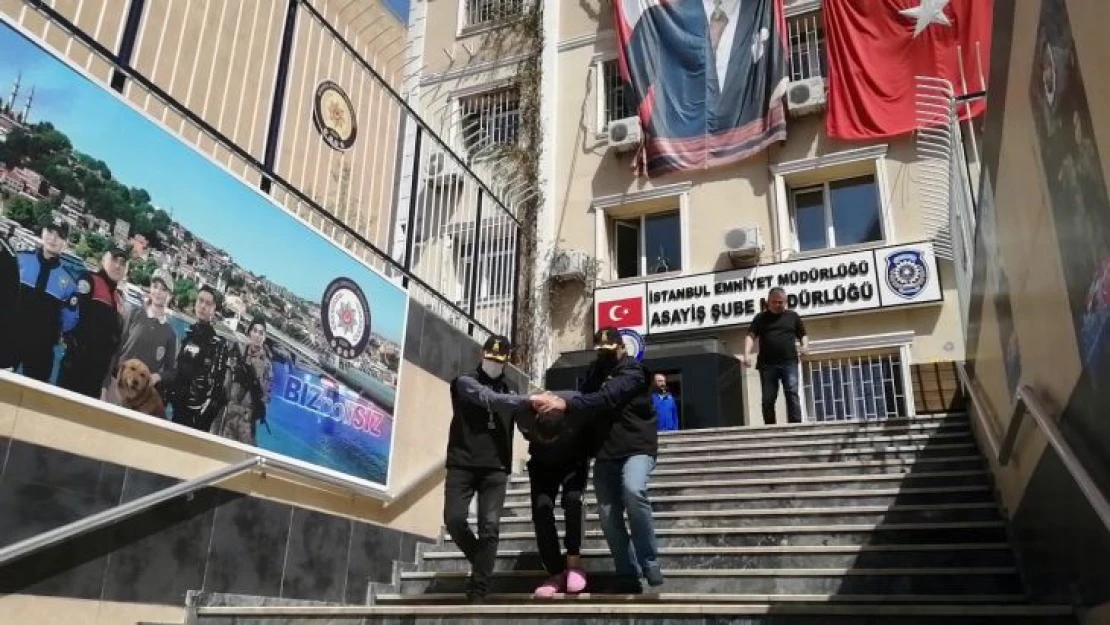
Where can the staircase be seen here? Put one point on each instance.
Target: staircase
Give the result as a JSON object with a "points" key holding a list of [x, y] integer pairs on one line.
{"points": [[889, 522]]}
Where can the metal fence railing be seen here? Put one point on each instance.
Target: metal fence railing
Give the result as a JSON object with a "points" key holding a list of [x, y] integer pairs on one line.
{"points": [[865, 387], [244, 81]]}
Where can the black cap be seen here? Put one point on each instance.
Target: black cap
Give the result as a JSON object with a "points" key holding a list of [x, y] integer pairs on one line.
{"points": [[59, 226], [497, 348], [118, 251], [608, 338]]}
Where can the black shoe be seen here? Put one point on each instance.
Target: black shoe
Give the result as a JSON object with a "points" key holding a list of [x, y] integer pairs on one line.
{"points": [[654, 576]]}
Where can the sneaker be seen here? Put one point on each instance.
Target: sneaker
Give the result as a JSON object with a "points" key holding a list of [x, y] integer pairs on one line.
{"points": [[654, 576], [576, 581], [547, 590]]}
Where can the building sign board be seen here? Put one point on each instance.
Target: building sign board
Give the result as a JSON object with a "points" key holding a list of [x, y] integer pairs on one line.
{"points": [[888, 277]]}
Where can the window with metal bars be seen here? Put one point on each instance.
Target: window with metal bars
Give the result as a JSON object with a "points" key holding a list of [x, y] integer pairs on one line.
{"points": [[483, 12], [496, 265], [616, 99], [491, 118], [863, 388], [806, 36]]}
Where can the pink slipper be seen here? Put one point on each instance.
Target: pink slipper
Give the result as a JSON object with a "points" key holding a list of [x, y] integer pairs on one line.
{"points": [[576, 581], [548, 589]]}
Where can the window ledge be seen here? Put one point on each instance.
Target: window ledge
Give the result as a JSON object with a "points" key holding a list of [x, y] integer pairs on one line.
{"points": [[641, 279], [830, 251]]}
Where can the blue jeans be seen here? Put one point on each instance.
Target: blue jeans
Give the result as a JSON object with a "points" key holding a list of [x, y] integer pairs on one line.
{"points": [[621, 486], [769, 378]]}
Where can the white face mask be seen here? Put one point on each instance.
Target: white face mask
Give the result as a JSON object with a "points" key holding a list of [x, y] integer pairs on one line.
{"points": [[493, 369]]}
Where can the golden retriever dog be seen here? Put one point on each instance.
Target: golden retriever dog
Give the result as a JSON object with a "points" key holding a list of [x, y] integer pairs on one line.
{"points": [[136, 391]]}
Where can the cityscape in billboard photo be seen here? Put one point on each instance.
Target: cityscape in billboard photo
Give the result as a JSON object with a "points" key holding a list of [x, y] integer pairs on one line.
{"points": [[72, 152]]}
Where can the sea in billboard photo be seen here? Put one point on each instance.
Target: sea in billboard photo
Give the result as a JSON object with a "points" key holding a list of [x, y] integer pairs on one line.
{"points": [[152, 278]]}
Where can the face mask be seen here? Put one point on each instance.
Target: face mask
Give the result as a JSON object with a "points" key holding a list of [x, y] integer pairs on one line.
{"points": [[607, 357], [493, 369]]}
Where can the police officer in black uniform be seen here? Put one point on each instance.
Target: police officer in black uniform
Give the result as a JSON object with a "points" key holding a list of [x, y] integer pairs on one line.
{"points": [[9, 302], [479, 459], [198, 388], [47, 303], [92, 344]]}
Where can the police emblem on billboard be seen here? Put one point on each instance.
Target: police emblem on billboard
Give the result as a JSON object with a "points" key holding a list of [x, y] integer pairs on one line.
{"points": [[334, 116], [906, 273], [633, 343], [345, 318]]}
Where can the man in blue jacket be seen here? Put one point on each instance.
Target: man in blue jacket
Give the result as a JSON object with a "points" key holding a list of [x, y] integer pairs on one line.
{"points": [[47, 303], [666, 408], [614, 398]]}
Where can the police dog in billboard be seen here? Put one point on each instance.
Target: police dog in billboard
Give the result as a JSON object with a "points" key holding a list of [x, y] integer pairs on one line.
{"points": [[136, 390]]}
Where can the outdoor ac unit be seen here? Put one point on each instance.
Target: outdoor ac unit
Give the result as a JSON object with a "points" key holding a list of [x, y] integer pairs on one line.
{"points": [[806, 96], [569, 265], [744, 246], [440, 170], [624, 134]]}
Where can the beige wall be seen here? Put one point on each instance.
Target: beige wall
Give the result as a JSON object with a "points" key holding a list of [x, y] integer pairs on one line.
{"points": [[1029, 252]]}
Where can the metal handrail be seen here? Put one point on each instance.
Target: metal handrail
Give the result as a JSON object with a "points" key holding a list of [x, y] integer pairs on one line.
{"points": [[129, 509], [1026, 401], [980, 408]]}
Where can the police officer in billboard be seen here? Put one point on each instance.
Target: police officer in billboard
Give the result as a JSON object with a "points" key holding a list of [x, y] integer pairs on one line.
{"points": [[9, 301], [198, 389], [47, 303], [91, 345], [479, 459]]}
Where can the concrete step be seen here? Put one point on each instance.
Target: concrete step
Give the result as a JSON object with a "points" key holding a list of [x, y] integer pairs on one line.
{"points": [[717, 470], [848, 431], [874, 452], [823, 426], [834, 480], [768, 535], [521, 505], [854, 515], [914, 580], [659, 609], [818, 557], [814, 444]]}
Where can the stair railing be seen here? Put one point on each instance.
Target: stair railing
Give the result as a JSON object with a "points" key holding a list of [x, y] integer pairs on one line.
{"points": [[1026, 402]]}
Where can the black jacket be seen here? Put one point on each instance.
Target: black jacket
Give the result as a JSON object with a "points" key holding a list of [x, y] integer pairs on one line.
{"points": [[621, 415], [198, 390], [481, 436], [9, 302], [573, 445], [91, 346]]}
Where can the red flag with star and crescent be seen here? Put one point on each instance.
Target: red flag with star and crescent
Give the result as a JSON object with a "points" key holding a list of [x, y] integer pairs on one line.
{"points": [[877, 48]]}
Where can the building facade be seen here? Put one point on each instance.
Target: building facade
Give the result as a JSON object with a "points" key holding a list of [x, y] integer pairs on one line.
{"points": [[684, 259]]}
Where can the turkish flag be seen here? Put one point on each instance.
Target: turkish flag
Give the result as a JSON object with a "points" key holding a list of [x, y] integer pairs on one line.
{"points": [[876, 48], [621, 313]]}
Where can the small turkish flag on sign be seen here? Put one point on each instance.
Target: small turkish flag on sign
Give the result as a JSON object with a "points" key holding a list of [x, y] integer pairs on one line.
{"points": [[621, 313]]}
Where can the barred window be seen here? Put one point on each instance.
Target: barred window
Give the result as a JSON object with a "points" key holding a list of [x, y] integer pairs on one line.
{"points": [[482, 12], [866, 387], [806, 35], [617, 101], [491, 118]]}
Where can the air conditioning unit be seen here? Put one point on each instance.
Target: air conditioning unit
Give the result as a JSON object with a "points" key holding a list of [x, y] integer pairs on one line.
{"points": [[624, 134], [567, 265], [744, 246], [806, 96], [440, 170]]}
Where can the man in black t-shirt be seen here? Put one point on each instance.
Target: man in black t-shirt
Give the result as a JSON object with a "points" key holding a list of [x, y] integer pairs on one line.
{"points": [[778, 331]]}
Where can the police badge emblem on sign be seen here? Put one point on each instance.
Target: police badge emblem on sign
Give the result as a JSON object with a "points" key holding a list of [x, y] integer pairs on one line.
{"points": [[906, 273], [345, 318]]}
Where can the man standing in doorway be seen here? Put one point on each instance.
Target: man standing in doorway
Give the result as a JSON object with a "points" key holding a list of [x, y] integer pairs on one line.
{"points": [[778, 331], [666, 409], [479, 459]]}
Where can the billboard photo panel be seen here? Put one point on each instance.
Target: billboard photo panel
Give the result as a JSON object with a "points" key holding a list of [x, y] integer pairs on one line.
{"points": [[153, 279]]}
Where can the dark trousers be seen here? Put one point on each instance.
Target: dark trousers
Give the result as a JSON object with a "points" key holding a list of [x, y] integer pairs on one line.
{"points": [[546, 481], [770, 376], [480, 550], [37, 361]]}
